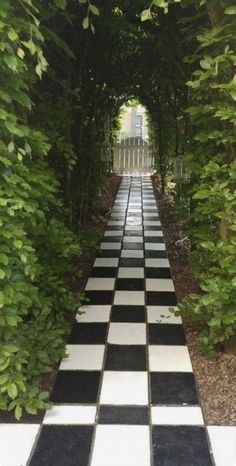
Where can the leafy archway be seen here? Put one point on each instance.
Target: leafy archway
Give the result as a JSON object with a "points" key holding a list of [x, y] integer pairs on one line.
{"points": [[66, 68]]}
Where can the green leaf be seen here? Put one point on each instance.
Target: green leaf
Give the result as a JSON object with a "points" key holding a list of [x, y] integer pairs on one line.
{"points": [[12, 34], [17, 243], [38, 70], [206, 63], [61, 4], [233, 94], [4, 378], [20, 52], [3, 259], [234, 281], [94, 9], [208, 245], [230, 10], [11, 146], [146, 14], [215, 321], [43, 395], [160, 3], [2, 274], [12, 390], [18, 412], [203, 194], [85, 23]]}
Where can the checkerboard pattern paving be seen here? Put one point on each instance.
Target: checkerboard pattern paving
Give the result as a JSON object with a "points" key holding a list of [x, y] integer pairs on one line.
{"points": [[125, 395]]}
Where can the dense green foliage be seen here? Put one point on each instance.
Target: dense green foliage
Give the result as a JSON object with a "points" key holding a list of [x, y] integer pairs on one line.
{"points": [[211, 159], [66, 69], [35, 244], [212, 165]]}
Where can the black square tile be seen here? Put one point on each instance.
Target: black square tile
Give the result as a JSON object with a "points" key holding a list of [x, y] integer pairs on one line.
{"points": [[118, 210], [63, 446], [128, 314], [180, 446], [157, 272], [150, 218], [133, 233], [99, 297], [124, 415], [109, 253], [131, 284], [76, 387], [128, 245], [154, 239], [114, 228], [131, 262], [155, 254], [107, 272], [152, 228], [117, 216], [166, 334], [126, 358], [173, 388], [88, 334], [161, 298], [112, 239]]}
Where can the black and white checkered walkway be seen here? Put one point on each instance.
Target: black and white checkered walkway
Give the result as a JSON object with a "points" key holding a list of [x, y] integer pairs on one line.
{"points": [[126, 395]]}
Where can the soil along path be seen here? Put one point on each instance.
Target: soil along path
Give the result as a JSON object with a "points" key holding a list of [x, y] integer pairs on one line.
{"points": [[126, 394]]}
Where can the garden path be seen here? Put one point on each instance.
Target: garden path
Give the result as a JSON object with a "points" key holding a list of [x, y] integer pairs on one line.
{"points": [[126, 395]]}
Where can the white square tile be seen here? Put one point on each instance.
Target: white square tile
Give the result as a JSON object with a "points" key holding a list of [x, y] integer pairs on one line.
{"points": [[155, 246], [152, 223], [129, 298], [124, 388], [70, 415], [100, 283], [223, 442], [119, 445], [183, 415], [94, 313], [133, 239], [162, 315], [132, 253], [134, 210], [83, 357], [168, 358], [157, 263], [154, 214], [127, 333], [113, 233], [153, 233], [159, 284], [110, 246], [132, 223], [147, 207], [131, 272], [16, 443], [134, 227], [106, 262]]}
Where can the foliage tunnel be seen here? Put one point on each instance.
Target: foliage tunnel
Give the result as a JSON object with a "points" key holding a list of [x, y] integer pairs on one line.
{"points": [[66, 69]]}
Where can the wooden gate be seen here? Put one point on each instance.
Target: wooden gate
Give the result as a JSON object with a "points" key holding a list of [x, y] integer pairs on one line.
{"points": [[133, 155]]}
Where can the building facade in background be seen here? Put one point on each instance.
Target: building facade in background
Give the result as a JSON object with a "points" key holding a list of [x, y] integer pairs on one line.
{"points": [[133, 122]]}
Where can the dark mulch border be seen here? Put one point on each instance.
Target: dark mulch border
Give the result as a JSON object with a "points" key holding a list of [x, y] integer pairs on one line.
{"points": [[215, 378]]}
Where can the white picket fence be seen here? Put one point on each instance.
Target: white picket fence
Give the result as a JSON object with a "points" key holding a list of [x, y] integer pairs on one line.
{"points": [[133, 155]]}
